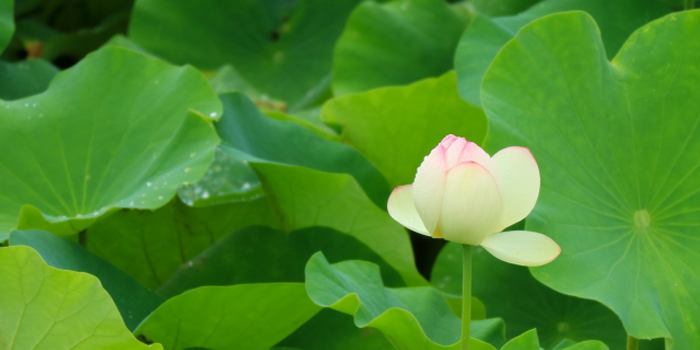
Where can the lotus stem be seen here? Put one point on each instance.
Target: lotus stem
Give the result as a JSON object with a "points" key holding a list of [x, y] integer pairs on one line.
{"points": [[466, 294]]}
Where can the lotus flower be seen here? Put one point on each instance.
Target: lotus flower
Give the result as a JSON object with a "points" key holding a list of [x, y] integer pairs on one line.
{"points": [[463, 195]]}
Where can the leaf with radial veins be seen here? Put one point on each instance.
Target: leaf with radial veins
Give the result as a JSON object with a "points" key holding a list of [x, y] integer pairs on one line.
{"points": [[396, 43], [133, 300], [47, 308], [281, 48], [617, 144], [486, 36], [118, 130], [7, 23], [412, 318], [395, 127], [244, 316]]}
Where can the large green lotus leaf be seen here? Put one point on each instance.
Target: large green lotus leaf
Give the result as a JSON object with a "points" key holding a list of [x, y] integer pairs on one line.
{"points": [[396, 43], [47, 308], [118, 130], [247, 133], [133, 300], [411, 317], [151, 245], [333, 330], [7, 23], [22, 79], [244, 316], [617, 145], [530, 341], [485, 37], [530, 304], [281, 48], [259, 254], [304, 197], [395, 127]]}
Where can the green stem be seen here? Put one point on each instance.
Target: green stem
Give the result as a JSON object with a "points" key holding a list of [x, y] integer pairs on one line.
{"points": [[688, 4], [632, 343], [466, 294]]}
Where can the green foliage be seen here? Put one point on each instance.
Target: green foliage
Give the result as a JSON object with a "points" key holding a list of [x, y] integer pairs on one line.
{"points": [[151, 245], [395, 43], [24, 79], [46, 308], [412, 318], [262, 313], [305, 197], [281, 48], [279, 257], [531, 304], [617, 147], [485, 36], [133, 300], [395, 127], [240, 201], [7, 23], [79, 150]]}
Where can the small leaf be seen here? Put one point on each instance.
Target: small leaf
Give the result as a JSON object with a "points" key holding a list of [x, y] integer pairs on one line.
{"points": [[412, 318], [133, 300], [47, 308], [244, 316]]}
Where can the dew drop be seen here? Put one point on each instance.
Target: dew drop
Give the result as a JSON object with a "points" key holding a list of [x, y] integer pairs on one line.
{"points": [[205, 195], [212, 114], [148, 184], [187, 170]]}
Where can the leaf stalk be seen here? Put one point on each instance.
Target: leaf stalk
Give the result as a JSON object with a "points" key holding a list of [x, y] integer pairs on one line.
{"points": [[466, 294]]}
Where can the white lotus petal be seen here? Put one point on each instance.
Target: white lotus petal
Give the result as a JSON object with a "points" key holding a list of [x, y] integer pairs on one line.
{"points": [[519, 180], [402, 209], [471, 152], [453, 151], [471, 206], [524, 248], [429, 185]]}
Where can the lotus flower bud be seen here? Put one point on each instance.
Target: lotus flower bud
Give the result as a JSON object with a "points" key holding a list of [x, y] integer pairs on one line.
{"points": [[463, 195]]}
